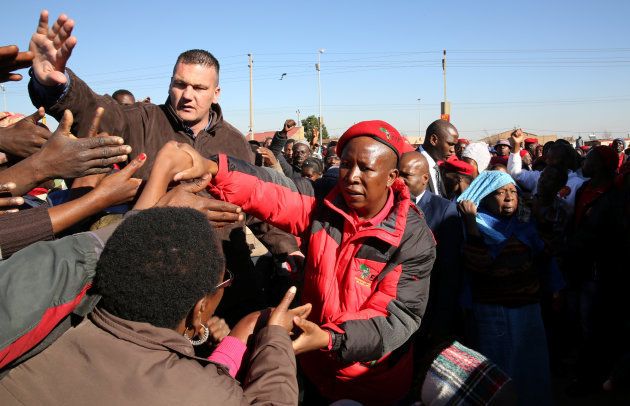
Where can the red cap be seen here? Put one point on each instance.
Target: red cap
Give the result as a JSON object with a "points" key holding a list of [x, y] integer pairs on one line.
{"points": [[454, 164], [380, 131], [463, 141], [585, 147], [523, 153], [531, 140]]}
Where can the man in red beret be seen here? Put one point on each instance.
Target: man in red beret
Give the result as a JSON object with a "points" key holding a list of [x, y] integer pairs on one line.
{"points": [[369, 255], [530, 145], [457, 176]]}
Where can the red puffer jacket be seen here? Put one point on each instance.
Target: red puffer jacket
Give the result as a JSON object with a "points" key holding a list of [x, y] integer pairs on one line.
{"points": [[368, 282]]}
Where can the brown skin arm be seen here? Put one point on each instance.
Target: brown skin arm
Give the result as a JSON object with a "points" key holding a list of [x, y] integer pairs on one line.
{"points": [[516, 139], [469, 213], [64, 156], [114, 189]]}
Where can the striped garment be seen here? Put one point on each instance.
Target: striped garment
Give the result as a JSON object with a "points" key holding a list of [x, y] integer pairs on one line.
{"points": [[461, 376]]}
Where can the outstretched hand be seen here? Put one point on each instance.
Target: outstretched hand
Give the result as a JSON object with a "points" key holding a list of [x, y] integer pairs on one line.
{"points": [[65, 156], [25, 137], [269, 159], [313, 337], [288, 124], [12, 59], [283, 317], [218, 213], [51, 48], [120, 187]]}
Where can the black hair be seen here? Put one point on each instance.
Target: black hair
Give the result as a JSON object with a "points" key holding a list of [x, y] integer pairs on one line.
{"points": [[560, 172], [157, 265], [569, 156], [198, 57], [439, 128], [548, 146], [122, 92], [315, 163]]}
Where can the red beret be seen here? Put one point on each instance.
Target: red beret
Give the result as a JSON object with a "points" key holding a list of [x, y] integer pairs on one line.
{"points": [[463, 141], [531, 140], [380, 131], [585, 147], [454, 164], [523, 152]]}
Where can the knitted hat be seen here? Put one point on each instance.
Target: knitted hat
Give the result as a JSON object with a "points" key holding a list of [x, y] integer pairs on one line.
{"points": [[479, 152]]}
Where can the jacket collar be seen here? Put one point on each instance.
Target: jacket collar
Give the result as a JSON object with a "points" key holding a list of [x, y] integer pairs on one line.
{"points": [[143, 334], [391, 228], [215, 117]]}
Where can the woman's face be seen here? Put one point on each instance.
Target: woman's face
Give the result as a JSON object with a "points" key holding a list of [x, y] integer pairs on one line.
{"points": [[503, 202]]}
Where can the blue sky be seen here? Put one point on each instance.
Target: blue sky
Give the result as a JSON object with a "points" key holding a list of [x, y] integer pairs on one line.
{"points": [[548, 66]]}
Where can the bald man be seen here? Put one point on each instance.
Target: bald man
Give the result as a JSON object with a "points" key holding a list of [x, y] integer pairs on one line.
{"points": [[443, 316], [439, 144]]}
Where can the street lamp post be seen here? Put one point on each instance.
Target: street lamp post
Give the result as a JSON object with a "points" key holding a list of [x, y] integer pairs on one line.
{"points": [[419, 122], [319, 93]]}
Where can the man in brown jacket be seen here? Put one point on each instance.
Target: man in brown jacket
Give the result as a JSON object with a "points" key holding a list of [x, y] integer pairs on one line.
{"points": [[191, 115]]}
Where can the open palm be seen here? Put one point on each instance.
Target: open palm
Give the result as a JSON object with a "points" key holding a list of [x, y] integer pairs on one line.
{"points": [[51, 48]]}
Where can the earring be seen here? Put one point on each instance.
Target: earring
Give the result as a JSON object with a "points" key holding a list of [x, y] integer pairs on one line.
{"points": [[202, 339]]}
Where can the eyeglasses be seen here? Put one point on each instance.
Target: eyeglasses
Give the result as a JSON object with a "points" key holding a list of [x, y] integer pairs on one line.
{"points": [[226, 282]]}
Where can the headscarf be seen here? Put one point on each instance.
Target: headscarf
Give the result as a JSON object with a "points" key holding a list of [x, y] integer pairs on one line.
{"points": [[497, 230], [479, 152]]}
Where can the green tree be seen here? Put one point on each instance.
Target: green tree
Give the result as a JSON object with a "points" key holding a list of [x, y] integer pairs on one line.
{"points": [[310, 123]]}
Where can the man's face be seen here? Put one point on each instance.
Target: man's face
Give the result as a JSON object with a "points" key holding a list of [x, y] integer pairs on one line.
{"points": [[549, 183], [331, 160], [459, 148], [502, 150], [617, 146], [288, 151], [300, 153], [412, 173], [193, 90], [444, 144], [455, 183], [310, 174], [366, 171]]}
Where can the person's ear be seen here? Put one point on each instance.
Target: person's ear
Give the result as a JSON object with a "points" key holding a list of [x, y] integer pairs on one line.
{"points": [[391, 177], [425, 179], [216, 95], [433, 139]]}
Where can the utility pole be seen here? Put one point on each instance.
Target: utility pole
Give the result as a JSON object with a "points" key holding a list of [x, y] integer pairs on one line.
{"points": [[446, 106], [419, 122], [4, 96], [299, 123], [319, 92], [251, 96]]}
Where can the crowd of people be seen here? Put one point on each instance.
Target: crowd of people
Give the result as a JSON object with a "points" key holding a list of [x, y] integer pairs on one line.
{"points": [[451, 272]]}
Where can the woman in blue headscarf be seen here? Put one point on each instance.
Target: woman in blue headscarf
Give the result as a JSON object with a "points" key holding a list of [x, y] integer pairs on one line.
{"points": [[502, 256]]}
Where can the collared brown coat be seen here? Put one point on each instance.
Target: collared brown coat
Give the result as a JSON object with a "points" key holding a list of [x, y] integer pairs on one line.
{"points": [[110, 361]]}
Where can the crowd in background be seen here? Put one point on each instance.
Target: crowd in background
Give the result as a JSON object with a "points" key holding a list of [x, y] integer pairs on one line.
{"points": [[451, 272]]}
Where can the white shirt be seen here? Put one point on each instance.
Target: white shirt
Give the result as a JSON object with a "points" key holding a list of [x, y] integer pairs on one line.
{"points": [[432, 171], [418, 198]]}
